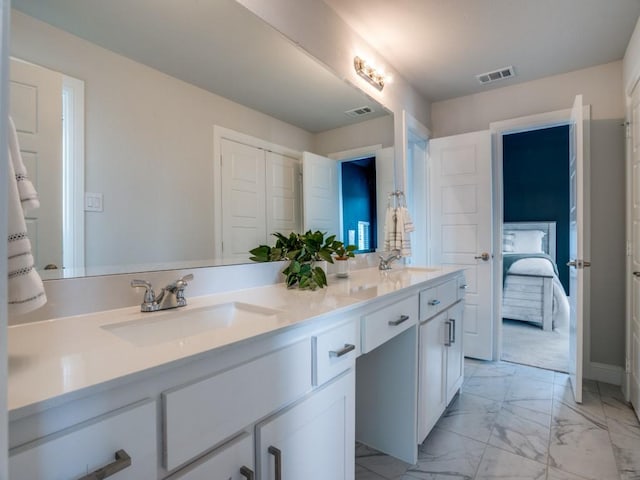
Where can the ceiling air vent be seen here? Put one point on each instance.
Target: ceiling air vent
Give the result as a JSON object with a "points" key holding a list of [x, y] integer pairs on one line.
{"points": [[359, 112], [500, 74]]}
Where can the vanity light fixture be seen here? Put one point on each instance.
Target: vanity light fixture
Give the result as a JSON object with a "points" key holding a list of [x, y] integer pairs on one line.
{"points": [[369, 73]]}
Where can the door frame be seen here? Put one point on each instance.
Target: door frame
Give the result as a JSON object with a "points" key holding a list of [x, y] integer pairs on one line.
{"points": [[498, 130]]}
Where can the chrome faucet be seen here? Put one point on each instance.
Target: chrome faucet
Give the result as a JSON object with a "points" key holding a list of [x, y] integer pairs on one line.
{"points": [[171, 296], [385, 263]]}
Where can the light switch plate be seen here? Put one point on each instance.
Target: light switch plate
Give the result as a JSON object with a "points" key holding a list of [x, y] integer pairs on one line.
{"points": [[93, 202]]}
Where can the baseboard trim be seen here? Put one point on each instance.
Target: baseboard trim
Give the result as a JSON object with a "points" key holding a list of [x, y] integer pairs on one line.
{"points": [[603, 372]]}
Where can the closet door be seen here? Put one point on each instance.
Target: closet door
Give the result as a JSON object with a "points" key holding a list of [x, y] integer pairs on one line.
{"points": [[283, 195], [244, 223]]}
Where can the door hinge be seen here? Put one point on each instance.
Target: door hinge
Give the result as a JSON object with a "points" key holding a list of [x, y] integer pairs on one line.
{"points": [[627, 129], [627, 366], [629, 248]]}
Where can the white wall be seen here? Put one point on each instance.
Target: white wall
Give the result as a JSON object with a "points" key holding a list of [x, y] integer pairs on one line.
{"points": [[601, 87], [149, 148], [631, 61], [363, 134]]}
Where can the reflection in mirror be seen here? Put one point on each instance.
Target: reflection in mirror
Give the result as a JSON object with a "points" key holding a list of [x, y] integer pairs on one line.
{"points": [[157, 80]]}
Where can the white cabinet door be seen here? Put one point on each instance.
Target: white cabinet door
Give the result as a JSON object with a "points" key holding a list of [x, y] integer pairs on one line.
{"points": [[455, 357], [314, 439], [432, 380]]}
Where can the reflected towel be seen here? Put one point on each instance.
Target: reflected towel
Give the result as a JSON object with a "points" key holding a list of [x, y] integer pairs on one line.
{"points": [[25, 288], [405, 226]]}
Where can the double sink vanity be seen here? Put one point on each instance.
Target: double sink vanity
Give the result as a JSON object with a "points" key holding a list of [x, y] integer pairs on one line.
{"points": [[261, 383]]}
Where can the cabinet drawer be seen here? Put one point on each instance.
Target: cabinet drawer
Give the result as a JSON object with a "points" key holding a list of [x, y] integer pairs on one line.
{"points": [[462, 286], [203, 414], [387, 322], [436, 299], [335, 351], [92, 445], [224, 463]]}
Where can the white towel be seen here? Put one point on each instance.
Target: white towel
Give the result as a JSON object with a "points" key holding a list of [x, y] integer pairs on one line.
{"points": [[405, 226], [397, 227], [25, 288]]}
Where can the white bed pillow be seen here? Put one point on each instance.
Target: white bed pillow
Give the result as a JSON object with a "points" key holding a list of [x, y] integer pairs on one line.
{"points": [[508, 242], [527, 241]]}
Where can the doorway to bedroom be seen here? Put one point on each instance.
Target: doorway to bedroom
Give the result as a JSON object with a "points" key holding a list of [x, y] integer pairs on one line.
{"points": [[535, 308]]}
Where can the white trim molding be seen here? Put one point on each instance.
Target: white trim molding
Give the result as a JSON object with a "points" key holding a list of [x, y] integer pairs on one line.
{"points": [[603, 372], [73, 173]]}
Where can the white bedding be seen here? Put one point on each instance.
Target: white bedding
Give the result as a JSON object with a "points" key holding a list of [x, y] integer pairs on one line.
{"points": [[543, 267]]}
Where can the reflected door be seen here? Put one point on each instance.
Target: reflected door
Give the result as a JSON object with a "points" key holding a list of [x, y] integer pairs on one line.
{"points": [[36, 109], [461, 227], [321, 197]]}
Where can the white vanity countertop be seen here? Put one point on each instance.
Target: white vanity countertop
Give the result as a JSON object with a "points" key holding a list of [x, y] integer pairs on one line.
{"points": [[64, 355]]}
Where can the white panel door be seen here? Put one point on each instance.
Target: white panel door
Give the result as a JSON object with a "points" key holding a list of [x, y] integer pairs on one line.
{"points": [[634, 387], [283, 194], [578, 246], [313, 440], [36, 109], [461, 227], [244, 223], [321, 196], [385, 184]]}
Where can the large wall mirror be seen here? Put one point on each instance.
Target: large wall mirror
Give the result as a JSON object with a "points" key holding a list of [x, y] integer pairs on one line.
{"points": [[155, 77]]}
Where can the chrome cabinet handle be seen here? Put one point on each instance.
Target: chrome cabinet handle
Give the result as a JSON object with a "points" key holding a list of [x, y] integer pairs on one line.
{"points": [[277, 454], [247, 473], [343, 351], [464, 287], [637, 274], [448, 342], [395, 323], [123, 460], [453, 330], [435, 302]]}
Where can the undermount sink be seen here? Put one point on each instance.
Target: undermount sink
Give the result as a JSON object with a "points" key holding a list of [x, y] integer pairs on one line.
{"points": [[166, 326]]}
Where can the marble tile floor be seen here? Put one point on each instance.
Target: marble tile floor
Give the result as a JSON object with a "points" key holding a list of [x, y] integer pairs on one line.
{"points": [[514, 422]]}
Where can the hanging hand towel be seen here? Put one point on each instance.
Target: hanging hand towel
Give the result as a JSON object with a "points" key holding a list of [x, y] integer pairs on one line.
{"points": [[25, 288], [405, 227]]}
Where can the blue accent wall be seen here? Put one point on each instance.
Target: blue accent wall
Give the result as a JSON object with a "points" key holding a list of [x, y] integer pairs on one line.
{"points": [[359, 198], [536, 184]]}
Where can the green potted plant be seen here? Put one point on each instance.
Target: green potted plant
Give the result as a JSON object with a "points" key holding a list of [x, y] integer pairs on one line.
{"points": [[303, 251], [342, 254]]}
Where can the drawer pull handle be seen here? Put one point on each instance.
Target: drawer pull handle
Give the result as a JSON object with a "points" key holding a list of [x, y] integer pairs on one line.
{"points": [[395, 323], [247, 473], [343, 351], [433, 303], [464, 287], [453, 330], [448, 342], [277, 454], [123, 460]]}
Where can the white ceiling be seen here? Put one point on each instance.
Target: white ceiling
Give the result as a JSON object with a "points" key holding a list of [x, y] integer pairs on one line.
{"points": [[440, 45]]}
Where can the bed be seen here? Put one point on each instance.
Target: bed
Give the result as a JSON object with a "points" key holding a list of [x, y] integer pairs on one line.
{"points": [[531, 290]]}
